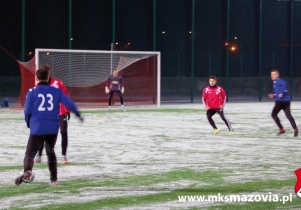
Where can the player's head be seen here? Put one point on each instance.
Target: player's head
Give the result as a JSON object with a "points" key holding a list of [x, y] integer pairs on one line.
{"points": [[212, 80], [43, 73], [115, 72], [275, 74]]}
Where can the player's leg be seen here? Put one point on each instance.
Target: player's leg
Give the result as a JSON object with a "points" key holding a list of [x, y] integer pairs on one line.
{"points": [[221, 113], [121, 99], [287, 111], [210, 114], [50, 141], [111, 93], [38, 157], [277, 108], [63, 120], [33, 145]]}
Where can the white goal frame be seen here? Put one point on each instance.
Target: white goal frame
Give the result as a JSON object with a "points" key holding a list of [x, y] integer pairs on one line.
{"points": [[155, 53]]}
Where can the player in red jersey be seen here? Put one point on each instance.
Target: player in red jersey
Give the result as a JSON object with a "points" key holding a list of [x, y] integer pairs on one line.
{"points": [[214, 99], [64, 116]]}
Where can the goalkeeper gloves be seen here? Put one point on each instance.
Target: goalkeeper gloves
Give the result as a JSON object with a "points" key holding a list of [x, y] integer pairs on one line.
{"points": [[122, 90], [107, 90]]}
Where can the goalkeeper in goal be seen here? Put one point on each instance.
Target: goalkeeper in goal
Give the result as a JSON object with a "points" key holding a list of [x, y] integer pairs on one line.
{"points": [[114, 84]]}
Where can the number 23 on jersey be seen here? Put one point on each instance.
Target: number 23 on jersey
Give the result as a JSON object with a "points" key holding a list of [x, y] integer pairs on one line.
{"points": [[46, 102]]}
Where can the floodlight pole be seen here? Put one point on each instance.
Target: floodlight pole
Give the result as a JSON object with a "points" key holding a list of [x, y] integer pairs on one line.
{"points": [[154, 25], [23, 31], [260, 50], [70, 25], [227, 52], [192, 52], [291, 48]]}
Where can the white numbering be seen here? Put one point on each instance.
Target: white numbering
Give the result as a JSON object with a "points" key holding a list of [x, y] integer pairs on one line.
{"points": [[50, 103]]}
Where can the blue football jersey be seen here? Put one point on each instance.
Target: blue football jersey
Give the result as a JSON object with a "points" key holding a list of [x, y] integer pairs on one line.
{"points": [[280, 86], [42, 108]]}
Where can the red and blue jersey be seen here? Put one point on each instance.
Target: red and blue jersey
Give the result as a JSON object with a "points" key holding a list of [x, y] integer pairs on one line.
{"points": [[214, 97], [114, 83], [42, 108]]}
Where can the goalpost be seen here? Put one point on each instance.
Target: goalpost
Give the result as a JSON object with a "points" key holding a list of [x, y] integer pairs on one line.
{"points": [[84, 72]]}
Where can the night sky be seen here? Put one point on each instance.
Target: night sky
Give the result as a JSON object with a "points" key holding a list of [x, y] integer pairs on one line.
{"points": [[47, 27]]}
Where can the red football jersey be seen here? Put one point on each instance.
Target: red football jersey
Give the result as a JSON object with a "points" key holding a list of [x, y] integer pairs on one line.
{"points": [[59, 84], [214, 97]]}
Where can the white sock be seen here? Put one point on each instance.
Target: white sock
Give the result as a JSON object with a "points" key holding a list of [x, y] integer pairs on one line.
{"points": [[109, 107], [122, 107]]}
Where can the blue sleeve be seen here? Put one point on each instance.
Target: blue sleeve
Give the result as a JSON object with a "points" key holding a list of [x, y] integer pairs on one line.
{"points": [[28, 105], [282, 87], [68, 103]]}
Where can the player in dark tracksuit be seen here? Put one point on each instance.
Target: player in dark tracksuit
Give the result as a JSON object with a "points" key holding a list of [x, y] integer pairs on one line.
{"points": [[282, 102], [41, 115], [114, 84]]}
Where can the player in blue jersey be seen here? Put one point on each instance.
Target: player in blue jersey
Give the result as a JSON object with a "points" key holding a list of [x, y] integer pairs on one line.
{"points": [[282, 102], [114, 84], [41, 115]]}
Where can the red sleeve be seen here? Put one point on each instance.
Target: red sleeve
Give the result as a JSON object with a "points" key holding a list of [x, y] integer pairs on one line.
{"points": [[64, 88], [204, 97], [223, 96]]}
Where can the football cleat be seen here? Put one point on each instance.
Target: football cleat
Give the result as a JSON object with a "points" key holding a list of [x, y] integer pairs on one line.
{"points": [[64, 159], [216, 131], [296, 132], [281, 131], [38, 159], [54, 183], [26, 177], [231, 133]]}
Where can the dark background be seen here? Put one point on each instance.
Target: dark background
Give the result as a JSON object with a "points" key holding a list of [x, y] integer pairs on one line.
{"points": [[47, 27]]}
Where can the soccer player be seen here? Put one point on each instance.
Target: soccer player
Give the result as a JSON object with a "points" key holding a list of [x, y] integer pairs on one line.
{"points": [[114, 84], [214, 99], [282, 102], [64, 116], [41, 115]]}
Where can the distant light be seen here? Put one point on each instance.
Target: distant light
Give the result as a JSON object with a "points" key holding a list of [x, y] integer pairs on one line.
{"points": [[29, 53], [226, 43], [190, 32], [129, 43], [48, 53], [163, 32], [116, 43], [233, 48], [235, 37], [71, 39]]}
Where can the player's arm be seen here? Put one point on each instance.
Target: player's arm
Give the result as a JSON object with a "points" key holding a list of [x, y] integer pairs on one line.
{"points": [[28, 106], [70, 104], [107, 90], [223, 98], [121, 84], [282, 88], [65, 90], [204, 99]]}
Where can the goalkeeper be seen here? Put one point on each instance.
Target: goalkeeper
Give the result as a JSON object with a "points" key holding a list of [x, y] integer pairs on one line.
{"points": [[114, 84]]}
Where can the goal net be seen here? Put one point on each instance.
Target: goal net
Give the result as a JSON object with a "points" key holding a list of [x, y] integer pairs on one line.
{"points": [[84, 72]]}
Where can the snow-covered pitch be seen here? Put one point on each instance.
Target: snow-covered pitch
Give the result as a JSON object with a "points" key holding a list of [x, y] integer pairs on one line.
{"points": [[116, 145]]}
